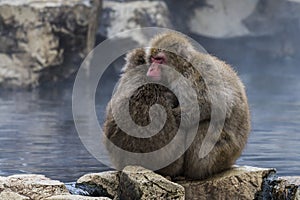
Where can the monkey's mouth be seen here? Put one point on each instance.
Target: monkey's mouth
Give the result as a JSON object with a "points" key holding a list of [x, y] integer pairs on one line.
{"points": [[155, 78]]}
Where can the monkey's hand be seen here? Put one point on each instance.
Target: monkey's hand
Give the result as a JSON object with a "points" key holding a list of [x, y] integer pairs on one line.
{"points": [[186, 117]]}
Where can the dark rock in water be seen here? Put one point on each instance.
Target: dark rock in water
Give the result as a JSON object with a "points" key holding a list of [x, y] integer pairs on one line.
{"points": [[73, 189], [279, 188]]}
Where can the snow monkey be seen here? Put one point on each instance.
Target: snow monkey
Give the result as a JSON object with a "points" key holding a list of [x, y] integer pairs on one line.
{"points": [[209, 77]]}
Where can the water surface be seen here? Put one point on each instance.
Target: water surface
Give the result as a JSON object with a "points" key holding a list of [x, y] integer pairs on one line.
{"points": [[37, 133]]}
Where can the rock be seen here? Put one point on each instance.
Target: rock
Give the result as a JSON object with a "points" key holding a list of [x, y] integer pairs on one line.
{"points": [[118, 17], [237, 183], [280, 188], [103, 184], [31, 186], [131, 183], [140, 183], [76, 197], [43, 41], [214, 18], [292, 179], [221, 19], [234, 18], [269, 15], [8, 195]]}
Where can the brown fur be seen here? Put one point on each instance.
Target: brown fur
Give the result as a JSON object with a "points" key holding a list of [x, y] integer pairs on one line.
{"points": [[236, 128]]}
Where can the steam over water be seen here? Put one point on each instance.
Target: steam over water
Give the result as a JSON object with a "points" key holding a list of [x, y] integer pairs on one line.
{"points": [[37, 133]]}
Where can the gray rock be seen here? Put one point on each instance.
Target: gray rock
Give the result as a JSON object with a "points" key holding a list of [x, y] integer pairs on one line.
{"points": [[43, 41], [122, 16], [237, 183], [214, 18], [221, 19], [140, 183], [30, 186], [292, 179], [274, 16], [8, 195], [107, 183]]}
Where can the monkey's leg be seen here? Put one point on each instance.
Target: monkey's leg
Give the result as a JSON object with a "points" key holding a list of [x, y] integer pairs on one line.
{"points": [[176, 167], [220, 158]]}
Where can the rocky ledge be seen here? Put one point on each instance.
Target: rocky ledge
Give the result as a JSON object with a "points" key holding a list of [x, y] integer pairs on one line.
{"points": [[44, 41], [138, 183]]}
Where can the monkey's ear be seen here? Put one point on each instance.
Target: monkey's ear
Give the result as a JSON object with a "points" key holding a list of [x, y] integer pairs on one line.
{"points": [[134, 58]]}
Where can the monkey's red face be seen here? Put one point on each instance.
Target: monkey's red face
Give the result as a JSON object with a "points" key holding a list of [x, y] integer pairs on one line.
{"points": [[156, 62]]}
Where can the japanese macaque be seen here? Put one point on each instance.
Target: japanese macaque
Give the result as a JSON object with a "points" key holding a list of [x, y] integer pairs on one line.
{"points": [[219, 94]]}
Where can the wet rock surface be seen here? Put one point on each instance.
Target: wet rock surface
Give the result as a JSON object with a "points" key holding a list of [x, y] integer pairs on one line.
{"points": [[42, 41]]}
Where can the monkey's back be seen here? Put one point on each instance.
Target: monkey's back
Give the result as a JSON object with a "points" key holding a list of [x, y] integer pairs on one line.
{"points": [[226, 93]]}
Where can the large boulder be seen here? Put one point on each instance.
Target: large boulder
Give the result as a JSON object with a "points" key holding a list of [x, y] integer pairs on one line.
{"points": [[44, 41], [140, 183], [234, 18], [237, 183], [221, 19]]}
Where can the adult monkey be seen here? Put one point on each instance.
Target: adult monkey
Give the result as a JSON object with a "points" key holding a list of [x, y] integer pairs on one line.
{"points": [[169, 53]]}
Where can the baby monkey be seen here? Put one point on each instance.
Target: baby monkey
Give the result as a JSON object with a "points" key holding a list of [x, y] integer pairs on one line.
{"points": [[170, 57]]}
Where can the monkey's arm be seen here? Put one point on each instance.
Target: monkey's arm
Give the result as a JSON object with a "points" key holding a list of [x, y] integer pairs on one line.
{"points": [[187, 116]]}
